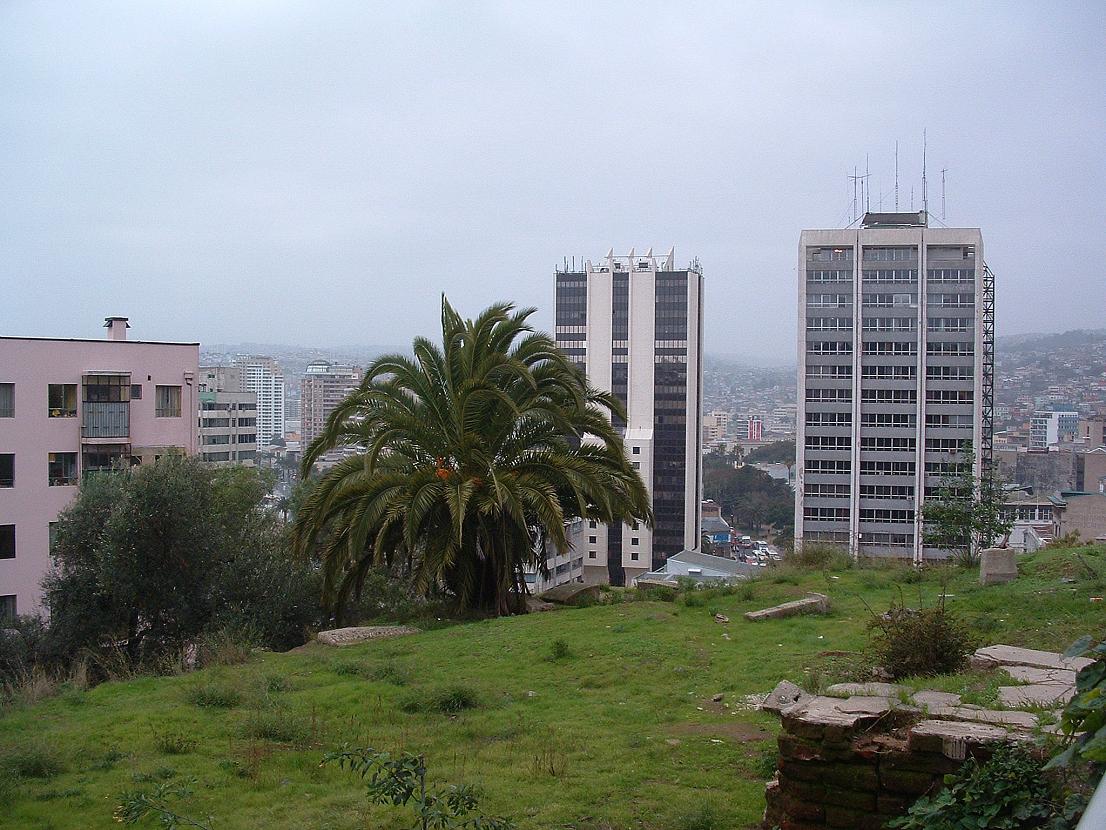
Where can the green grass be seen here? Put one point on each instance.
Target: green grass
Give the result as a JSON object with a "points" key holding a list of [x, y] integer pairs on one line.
{"points": [[616, 729]]}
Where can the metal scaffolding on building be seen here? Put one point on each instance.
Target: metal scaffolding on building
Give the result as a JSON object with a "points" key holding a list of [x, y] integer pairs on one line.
{"points": [[987, 410]]}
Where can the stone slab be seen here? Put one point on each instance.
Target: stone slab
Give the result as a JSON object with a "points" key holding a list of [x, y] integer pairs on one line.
{"points": [[362, 633], [1032, 674], [1036, 694], [784, 697], [570, 593], [810, 604], [931, 699], [833, 711], [1000, 655], [997, 566], [994, 717], [953, 738], [869, 689]]}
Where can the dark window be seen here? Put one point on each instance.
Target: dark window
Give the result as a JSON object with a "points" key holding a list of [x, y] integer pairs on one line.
{"points": [[637, 450], [136, 392], [62, 400], [7, 400], [591, 540], [167, 404], [7, 469], [62, 469], [7, 608], [7, 541], [633, 555]]}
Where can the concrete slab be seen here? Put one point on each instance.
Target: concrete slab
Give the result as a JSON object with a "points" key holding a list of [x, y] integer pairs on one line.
{"points": [[871, 689], [1036, 694], [953, 738], [359, 634], [810, 604], [994, 717], [784, 697], [1031, 674], [1001, 655], [997, 566], [570, 593], [931, 699]]}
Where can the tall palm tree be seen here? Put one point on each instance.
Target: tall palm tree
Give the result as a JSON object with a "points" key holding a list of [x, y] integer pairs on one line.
{"points": [[470, 459]]}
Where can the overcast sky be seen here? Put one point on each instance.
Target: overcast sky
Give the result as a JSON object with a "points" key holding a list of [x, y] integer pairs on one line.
{"points": [[318, 172]]}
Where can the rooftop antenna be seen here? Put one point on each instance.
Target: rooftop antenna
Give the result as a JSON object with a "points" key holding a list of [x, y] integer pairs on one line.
{"points": [[867, 188], [925, 192], [944, 170], [896, 177], [855, 178]]}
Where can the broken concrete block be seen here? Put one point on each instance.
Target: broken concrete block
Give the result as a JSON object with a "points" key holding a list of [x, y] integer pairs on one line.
{"points": [[931, 699], [784, 697], [810, 604], [1000, 655], [1036, 694], [870, 689], [953, 738], [1031, 674], [997, 566], [359, 634]]}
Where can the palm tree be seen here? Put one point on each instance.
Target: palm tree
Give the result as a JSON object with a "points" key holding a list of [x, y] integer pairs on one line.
{"points": [[470, 459]]}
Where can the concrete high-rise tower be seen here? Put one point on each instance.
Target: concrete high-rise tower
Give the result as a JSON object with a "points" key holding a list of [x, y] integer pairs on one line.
{"points": [[634, 324], [896, 374], [265, 378]]}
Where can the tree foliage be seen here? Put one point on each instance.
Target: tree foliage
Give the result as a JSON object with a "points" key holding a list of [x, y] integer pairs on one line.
{"points": [[966, 512], [470, 458], [752, 497], [147, 558], [778, 452]]}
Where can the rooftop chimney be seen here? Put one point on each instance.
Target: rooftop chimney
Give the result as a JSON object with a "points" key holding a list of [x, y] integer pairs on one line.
{"points": [[117, 327]]}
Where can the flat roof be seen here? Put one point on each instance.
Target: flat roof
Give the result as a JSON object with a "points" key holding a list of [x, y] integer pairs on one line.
{"points": [[101, 340]]}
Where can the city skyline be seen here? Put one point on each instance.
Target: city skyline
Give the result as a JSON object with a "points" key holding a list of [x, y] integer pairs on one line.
{"points": [[151, 165]]}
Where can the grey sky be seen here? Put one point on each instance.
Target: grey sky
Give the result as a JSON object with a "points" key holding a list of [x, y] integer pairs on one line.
{"points": [[308, 172]]}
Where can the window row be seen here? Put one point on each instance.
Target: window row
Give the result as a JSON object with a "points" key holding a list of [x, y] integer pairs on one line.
{"points": [[822, 419], [830, 395], [827, 490], [902, 300], [888, 254], [887, 444], [889, 395], [825, 514], [826, 277], [889, 419], [950, 275], [950, 300], [890, 275], [890, 372], [890, 347], [891, 540], [824, 466], [887, 468], [949, 372], [837, 254], [886, 491], [959, 348], [879, 514], [828, 442], [829, 323], [62, 399], [950, 324], [842, 347], [829, 301], [832, 371]]}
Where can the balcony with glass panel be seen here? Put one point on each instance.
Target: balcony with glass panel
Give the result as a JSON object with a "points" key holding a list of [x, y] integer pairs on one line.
{"points": [[106, 406]]}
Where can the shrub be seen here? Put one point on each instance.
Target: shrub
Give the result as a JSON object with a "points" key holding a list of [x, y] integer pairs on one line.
{"points": [[226, 647], [923, 642], [173, 742], [214, 695], [392, 672], [558, 650], [19, 642], [449, 701], [655, 593], [348, 668], [278, 725], [275, 683], [1008, 792], [1084, 717], [34, 759]]}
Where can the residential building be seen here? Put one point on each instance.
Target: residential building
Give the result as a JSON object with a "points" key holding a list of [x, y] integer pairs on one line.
{"points": [[561, 567], [896, 363], [265, 378], [72, 407], [1091, 433], [698, 567], [227, 417], [1049, 427], [716, 426], [634, 324], [754, 428], [1083, 514], [324, 386]]}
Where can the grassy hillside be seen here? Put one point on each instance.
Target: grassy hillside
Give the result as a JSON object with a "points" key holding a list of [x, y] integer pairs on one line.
{"points": [[619, 733]]}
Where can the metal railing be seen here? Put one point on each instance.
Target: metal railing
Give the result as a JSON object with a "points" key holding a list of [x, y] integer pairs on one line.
{"points": [[105, 419]]}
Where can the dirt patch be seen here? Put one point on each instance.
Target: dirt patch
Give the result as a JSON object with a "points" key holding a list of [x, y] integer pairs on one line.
{"points": [[734, 730]]}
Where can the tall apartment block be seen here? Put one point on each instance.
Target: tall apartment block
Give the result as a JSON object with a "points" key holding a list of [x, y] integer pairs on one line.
{"points": [[227, 417], [69, 408], [896, 373], [265, 379], [634, 325], [324, 386]]}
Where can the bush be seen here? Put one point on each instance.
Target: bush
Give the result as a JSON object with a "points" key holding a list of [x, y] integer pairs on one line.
{"points": [[19, 643], [214, 695], [1008, 792], [173, 742], [923, 642], [392, 672], [34, 759], [817, 556], [449, 701], [558, 650]]}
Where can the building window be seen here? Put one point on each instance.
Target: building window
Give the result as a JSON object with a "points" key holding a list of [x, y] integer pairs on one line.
{"points": [[591, 554], [633, 540], [7, 608], [637, 450], [633, 555], [637, 465], [591, 540], [7, 541], [62, 469], [7, 469], [7, 400], [62, 400], [592, 524], [136, 391], [167, 404]]}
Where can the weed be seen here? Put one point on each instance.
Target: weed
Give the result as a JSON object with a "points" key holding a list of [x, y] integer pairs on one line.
{"points": [[746, 590], [214, 695], [693, 600], [33, 759], [349, 668], [172, 742], [558, 650], [225, 647], [159, 774], [278, 725], [921, 642], [702, 818], [276, 683], [51, 795], [107, 761], [393, 673], [456, 699], [9, 789]]}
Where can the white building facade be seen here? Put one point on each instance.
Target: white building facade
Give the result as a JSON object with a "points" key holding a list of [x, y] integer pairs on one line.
{"points": [[634, 324], [896, 361], [265, 378]]}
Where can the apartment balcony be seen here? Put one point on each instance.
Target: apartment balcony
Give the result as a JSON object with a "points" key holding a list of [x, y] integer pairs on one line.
{"points": [[105, 419]]}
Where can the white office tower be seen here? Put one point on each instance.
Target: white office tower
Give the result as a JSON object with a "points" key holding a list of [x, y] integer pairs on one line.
{"points": [[265, 379], [634, 324], [896, 374]]}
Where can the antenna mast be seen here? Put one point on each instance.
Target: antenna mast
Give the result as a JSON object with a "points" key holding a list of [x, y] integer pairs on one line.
{"points": [[944, 170], [925, 192], [896, 177], [855, 178]]}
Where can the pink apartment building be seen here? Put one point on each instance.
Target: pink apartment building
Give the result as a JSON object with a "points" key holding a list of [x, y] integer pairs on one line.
{"points": [[70, 407]]}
